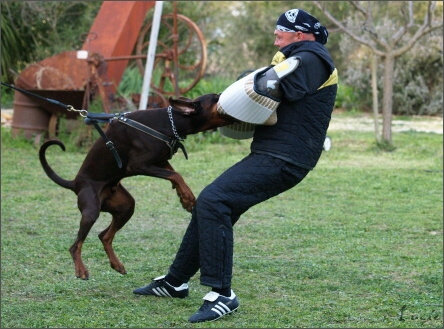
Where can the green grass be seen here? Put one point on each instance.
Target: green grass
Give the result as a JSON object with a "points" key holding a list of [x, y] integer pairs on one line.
{"points": [[358, 244]]}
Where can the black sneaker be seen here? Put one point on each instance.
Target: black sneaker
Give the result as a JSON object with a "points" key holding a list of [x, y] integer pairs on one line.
{"points": [[159, 287], [214, 307]]}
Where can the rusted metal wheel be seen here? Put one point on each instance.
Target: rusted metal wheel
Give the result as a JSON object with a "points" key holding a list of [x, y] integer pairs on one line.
{"points": [[181, 54], [155, 99]]}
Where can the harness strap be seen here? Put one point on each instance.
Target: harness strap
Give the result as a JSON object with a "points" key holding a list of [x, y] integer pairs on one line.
{"points": [[108, 143], [102, 117], [172, 143]]}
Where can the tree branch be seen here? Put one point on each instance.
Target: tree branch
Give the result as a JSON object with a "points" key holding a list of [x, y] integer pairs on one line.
{"points": [[409, 23], [360, 8], [347, 31], [425, 28]]}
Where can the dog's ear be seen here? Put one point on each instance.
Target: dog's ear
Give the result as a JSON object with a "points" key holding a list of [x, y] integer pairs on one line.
{"points": [[184, 105]]}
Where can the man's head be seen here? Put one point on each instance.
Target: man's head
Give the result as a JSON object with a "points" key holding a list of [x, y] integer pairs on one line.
{"points": [[298, 25]]}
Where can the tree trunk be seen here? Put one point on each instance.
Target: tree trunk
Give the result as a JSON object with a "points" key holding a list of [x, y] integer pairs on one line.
{"points": [[375, 94], [387, 101]]}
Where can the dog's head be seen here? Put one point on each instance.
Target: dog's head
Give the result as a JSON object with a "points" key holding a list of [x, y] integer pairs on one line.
{"points": [[202, 111]]}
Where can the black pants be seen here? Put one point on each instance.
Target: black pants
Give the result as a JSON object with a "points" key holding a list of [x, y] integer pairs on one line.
{"points": [[208, 242]]}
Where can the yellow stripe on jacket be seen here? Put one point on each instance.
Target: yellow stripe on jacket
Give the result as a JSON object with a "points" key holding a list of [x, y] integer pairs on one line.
{"points": [[332, 80]]}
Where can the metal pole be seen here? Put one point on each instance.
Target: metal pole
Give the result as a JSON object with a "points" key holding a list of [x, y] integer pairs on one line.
{"points": [[151, 55], [175, 52]]}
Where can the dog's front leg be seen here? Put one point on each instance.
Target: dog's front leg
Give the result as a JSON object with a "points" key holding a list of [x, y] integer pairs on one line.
{"points": [[186, 196]]}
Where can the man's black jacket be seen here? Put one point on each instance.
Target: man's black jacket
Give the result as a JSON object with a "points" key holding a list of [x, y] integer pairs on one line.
{"points": [[305, 111]]}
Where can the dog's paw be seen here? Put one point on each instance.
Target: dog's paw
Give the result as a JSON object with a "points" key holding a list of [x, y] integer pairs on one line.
{"points": [[120, 269], [84, 275], [188, 205]]}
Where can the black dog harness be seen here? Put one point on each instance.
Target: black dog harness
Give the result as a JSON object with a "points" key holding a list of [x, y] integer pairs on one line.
{"points": [[173, 143]]}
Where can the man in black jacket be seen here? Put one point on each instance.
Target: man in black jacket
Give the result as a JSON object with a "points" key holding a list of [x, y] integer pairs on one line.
{"points": [[281, 156]]}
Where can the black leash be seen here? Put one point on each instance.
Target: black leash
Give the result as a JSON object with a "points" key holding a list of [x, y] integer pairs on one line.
{"points": [[95, 118], [66, 107], [83, 113]]}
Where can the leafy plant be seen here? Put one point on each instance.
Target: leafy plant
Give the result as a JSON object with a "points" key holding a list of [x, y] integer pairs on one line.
{"points": [[347, 98]]}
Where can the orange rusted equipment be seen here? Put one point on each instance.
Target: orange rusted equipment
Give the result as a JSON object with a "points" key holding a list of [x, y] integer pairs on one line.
{"points": [[74, 81], [116, 29]]}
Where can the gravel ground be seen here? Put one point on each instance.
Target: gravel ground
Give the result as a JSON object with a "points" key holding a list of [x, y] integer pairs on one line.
{"points": [[362, 123], [366, 123]]}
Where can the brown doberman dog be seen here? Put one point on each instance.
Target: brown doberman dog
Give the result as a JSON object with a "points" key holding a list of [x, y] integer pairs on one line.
{"points": [[144, 141]]}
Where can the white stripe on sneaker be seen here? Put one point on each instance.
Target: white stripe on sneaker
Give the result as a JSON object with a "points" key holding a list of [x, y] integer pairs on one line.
{"points": [[216, 311], [221, 309], [161, 291], [223, 306]]}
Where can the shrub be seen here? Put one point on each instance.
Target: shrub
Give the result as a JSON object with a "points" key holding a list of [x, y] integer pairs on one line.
{"points": [[418, 82]]}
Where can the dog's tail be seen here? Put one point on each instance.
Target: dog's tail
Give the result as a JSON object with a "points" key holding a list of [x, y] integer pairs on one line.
{"points": [[69, 184]]}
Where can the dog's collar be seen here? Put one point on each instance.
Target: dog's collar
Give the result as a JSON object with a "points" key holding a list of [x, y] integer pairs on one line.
{"points": [[173, 126]]}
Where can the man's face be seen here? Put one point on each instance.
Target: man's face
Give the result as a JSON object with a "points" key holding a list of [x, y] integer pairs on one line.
{"points": [[282, 39]]}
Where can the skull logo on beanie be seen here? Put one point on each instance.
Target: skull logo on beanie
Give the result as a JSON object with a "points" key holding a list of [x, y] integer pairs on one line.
{"points": [[294, 20], [291, 15]]}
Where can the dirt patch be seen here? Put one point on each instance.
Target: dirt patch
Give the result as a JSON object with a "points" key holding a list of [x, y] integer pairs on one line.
{"points": [[366, 123], [7, 117], [361, 122]]}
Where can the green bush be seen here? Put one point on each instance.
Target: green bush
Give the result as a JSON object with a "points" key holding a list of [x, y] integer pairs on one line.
{"points": [[417, 88], [7, 98], [131, 82], [347, 99]]}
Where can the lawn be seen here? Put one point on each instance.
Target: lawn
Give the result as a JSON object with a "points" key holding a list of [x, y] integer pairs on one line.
{"points": [[358, 244]]}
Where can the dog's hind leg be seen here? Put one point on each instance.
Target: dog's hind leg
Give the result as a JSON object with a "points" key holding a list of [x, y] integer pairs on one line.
{"points": [[89, 205], [120, 204]]}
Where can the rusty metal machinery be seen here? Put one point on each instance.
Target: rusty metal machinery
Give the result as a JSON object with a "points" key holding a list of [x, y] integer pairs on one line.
{"points": [[180, 62], [181, 54]]}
